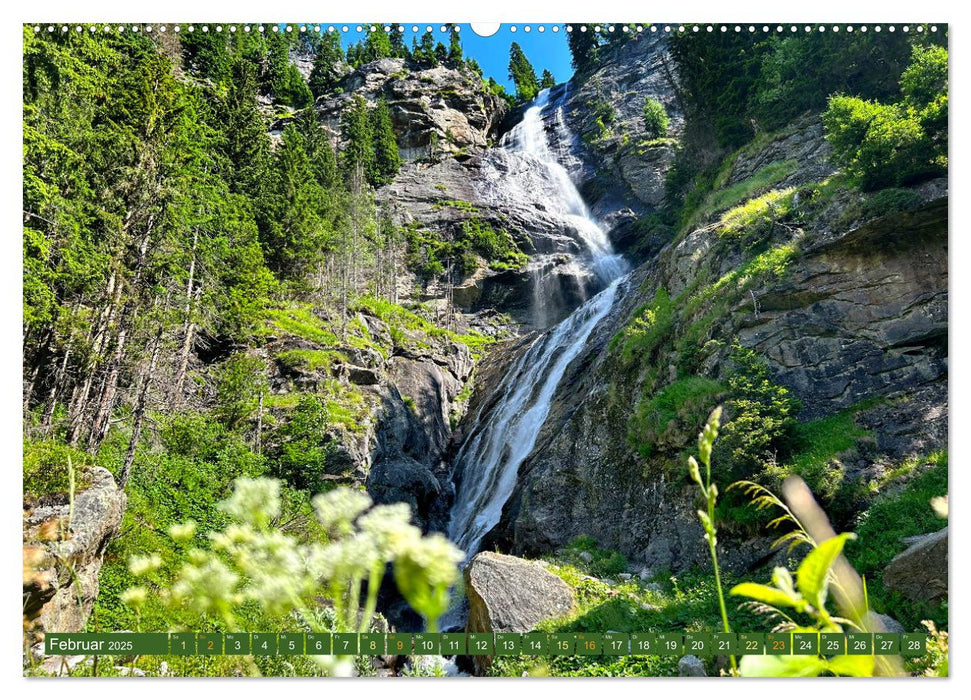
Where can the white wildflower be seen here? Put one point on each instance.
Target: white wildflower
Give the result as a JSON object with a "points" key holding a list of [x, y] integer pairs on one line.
{"points": [[230, 539], [337, 509], [141, 565], [277, 592], [389, 528], [184, 532], [254, 501], [134, 597], [356, 556], [424, 573], [208, 587]]}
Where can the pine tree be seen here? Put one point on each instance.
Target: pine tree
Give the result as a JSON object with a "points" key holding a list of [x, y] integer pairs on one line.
{"points": [[358, 140], [377, 44], [387, 161], [398, 47], [319, 150], [583, 47], [295, 235], [245, 143], [205, 54], [323, 76], [424, 51], [522, 74], [285, 81], [441, 53], [547, 81], [454, 44]]}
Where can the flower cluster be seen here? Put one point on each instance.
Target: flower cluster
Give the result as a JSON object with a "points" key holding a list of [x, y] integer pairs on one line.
{"points": [[251, 560]]}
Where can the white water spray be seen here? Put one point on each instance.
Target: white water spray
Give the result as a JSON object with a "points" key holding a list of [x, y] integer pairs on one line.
{"points": [[529, 137]]}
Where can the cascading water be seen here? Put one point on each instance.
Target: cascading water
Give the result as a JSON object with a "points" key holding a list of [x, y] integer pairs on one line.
{"points": [[529, 137], [503, 436]]}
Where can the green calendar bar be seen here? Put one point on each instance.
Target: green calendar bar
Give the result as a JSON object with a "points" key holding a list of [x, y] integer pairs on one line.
{"points": [[508, 644], [751, 643], [427, 643], [563, 644], [778, 643], [264, 643], [725, 643], [701, 644], [291, 644], [373, 644], [182, 643], [913, 644], [454, 643], [481, 644], [399, 644], [537, 643], [589, 644], [345, 644], [318, 644], [670, 644], [644, 643], [859, 643], [885, 643], [120, 643], [832, 643]]}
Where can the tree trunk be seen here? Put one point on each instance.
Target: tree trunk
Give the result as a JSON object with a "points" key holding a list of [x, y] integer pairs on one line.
{"points": [[99, 427], [188, 327], [138, 415], [259, 426], [55, 389]]}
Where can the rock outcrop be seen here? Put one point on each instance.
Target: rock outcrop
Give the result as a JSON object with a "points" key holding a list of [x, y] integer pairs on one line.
{"points": [[920, 572], [63, 551], [616, 160], [511, 193], [440, 111], [508, 594], [410, 393], [691, 666]]}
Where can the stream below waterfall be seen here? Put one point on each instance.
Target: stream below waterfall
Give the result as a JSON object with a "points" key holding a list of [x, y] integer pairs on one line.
{"points": [[504, 434]]}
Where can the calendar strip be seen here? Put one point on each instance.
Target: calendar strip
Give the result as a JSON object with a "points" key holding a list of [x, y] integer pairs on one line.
{"points": [[699, 644]]}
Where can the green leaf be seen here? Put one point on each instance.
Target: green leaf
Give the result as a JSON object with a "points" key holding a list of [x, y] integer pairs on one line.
{"points": [[769, 666], [766, 594], [814, 569], [858, 666]]}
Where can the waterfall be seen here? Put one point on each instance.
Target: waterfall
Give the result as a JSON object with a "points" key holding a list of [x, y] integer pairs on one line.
{"points": [[503, 436], [529, 137]]}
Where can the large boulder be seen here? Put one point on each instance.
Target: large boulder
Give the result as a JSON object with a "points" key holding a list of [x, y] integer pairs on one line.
{"points": [[63, 553], [508, 594], [920, 571]]}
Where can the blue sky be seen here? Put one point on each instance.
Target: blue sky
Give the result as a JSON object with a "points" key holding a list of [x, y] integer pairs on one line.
{"points": [[544, 50], [547, 49]]}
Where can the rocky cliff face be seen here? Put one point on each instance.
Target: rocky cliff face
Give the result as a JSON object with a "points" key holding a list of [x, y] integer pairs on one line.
{"points": [[616, 162], [620, 172], [64, 548], [437, 111], [410, 393], [856, 317]]}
